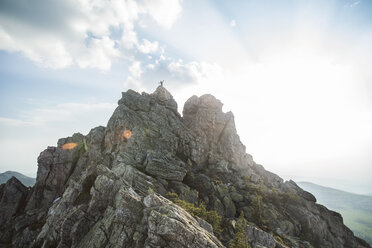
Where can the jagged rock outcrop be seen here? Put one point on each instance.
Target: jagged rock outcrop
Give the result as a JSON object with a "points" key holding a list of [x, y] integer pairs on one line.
{"points": [[12, 198], [215, 130], [258, 237], [110, 188]]}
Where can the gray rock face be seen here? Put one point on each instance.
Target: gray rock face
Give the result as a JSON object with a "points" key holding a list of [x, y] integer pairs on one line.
{"points": [[165, 98], [165, 167], [12, 200], [204, 224], [55, 165], [215, 129], [171, 226], [259, 238], [107, 190]]}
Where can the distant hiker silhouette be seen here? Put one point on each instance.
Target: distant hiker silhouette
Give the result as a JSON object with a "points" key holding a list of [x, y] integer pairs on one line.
{"points": [[161, 82]]}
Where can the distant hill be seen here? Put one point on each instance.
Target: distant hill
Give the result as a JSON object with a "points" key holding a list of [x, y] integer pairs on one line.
{"points": [[27, 181], [355, 209]]}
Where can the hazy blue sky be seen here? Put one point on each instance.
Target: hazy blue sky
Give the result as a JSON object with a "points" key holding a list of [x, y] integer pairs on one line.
{"points": [[296, 74]]}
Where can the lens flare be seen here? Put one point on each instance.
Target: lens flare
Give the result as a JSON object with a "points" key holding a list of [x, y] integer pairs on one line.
{"points": [[69, 146], [127, 134]]}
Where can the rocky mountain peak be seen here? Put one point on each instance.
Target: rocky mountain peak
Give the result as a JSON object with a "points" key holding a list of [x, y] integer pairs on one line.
{"points": [[163, 96], [215, 130], [206, 101], [152, 178]]}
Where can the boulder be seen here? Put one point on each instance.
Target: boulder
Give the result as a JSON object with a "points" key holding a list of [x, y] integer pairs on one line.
{"points": [[259, 238]]}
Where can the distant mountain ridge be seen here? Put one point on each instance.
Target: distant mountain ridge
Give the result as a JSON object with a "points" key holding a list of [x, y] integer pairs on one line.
{"points": [[27, 181], [355, 209]]}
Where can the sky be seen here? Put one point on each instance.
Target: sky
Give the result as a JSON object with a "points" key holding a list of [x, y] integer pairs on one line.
{"points": [[295, 73]]}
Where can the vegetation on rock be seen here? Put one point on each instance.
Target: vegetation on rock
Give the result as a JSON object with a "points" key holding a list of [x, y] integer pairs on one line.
{"points": [[240, 238], [199, 210], [257, 210]]}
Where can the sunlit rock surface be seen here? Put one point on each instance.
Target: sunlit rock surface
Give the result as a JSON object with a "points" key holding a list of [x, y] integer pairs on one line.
{"points": [[109, 189]]}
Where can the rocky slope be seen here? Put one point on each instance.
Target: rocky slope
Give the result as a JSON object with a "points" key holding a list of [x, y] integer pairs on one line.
{"points": [[110, 187], [355, 209]]}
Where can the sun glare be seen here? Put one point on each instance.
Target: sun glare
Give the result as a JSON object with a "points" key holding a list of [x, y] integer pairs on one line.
{"points": [[69, 146], [127, 134]]}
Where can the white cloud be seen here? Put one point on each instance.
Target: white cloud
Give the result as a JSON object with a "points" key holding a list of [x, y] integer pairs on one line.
{"points": [[135, 69], [99, 54], [129, 39], [354, 4], [351, 5], [193, 70], [232, 23], [164, 12], [47, 52], [134, 80], [177, 72], [89, 33], [148, 46]]}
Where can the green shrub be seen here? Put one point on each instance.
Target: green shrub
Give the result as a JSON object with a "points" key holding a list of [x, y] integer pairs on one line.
{"points": [[257, 210], [247, 178], [289, 198], [199, 210], [240, 238], [217, 181], [150, 191], [274, 197]]}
